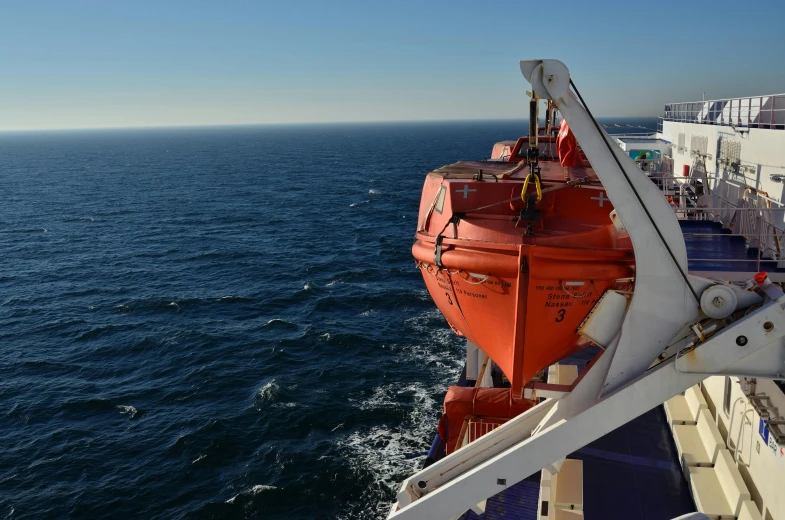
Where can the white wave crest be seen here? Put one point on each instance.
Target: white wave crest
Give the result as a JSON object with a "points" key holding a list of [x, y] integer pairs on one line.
{"points": [[279, 321], [259, 488], [392, 452], [127, 409], [269, 391]]}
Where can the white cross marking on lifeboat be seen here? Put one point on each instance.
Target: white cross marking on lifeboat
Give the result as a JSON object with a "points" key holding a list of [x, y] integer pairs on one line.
{"points": [[601, 198], [465, 191]]}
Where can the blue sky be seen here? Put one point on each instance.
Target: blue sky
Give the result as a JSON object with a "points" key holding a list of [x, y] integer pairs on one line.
{"points": [[76, 64]]}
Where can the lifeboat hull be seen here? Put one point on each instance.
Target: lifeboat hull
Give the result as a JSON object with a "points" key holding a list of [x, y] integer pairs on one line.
{"points": [[519, 290]]}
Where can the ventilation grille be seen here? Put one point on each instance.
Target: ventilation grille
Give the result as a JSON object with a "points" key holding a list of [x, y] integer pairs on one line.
{"points": [[699, 145], [730, 153]]}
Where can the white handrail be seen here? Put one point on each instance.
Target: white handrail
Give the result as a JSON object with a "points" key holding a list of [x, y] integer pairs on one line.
{"points": [[725, 99]]}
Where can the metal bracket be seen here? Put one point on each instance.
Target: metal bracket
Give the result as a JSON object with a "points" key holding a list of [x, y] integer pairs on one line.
{"points": [[546, 390], [437, 254]]}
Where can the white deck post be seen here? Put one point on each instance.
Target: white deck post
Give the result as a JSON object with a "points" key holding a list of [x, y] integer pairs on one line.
{"points": [[472, 365]]}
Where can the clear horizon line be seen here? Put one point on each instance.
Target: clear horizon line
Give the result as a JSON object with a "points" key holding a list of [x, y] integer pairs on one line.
{"points": [[297, 123]]}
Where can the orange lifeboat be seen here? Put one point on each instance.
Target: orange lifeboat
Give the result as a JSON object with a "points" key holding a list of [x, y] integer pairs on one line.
{"points": [[518, 283]]}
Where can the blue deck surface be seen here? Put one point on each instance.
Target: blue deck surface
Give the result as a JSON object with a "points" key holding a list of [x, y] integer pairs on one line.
{"points": [[632, 473], [518, 502], [712, 249]]}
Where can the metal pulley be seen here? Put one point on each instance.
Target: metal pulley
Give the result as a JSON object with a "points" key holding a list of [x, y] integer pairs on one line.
{"points": [[719, 301]]}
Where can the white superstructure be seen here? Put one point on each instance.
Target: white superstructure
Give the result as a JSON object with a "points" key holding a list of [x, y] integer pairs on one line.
{"points": [[741, 142]]}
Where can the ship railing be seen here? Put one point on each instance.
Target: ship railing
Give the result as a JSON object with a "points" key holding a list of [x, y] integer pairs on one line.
{"points": [[740, 210], [657, 168], [618, 130], [651, 134], [475, 426], [748, 112]]}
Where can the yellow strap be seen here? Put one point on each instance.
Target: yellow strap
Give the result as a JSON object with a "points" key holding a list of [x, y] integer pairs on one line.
{"points": [[536, 184]]}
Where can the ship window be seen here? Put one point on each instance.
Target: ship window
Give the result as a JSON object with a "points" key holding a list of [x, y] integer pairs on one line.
{"points": [[440, 199], [726, 397]]}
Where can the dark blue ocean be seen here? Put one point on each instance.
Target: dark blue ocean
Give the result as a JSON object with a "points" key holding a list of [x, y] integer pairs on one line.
{"points": [[220, 322]]}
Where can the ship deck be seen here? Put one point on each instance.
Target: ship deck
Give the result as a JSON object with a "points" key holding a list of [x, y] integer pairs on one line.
{"points": [[631, 473], [715, 253]]}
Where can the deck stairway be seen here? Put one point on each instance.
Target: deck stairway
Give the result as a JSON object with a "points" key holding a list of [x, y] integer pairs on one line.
{"points": [[715, 483]]}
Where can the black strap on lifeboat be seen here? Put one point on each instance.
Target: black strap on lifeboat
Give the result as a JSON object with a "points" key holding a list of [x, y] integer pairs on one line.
{"points": [[437, 254]]}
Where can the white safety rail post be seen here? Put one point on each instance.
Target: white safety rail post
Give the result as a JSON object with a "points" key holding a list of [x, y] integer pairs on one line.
{"points": [[621, 384], [472, 364]]}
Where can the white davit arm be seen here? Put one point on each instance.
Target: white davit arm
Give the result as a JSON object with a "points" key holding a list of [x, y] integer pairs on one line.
{"points": [[663, 302]]}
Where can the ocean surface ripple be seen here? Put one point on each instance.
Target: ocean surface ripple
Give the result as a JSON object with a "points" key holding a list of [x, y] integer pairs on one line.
{"points": [[219, 322]]}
